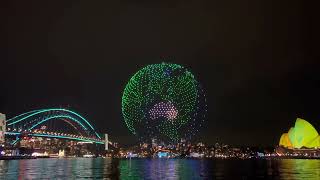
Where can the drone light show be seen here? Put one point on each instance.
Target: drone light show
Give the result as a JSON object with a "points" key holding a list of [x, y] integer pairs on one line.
{"points": [[164, 101]]}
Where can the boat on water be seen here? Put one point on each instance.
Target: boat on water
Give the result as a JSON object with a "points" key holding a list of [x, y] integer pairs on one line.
{"points": [[88, 156]]}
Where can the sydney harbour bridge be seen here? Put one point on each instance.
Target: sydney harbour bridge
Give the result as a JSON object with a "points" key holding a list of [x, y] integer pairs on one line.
{"points": [[56, 123]]}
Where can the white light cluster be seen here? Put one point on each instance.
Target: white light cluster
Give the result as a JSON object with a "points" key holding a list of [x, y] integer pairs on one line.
{"points": [[163, 109]]}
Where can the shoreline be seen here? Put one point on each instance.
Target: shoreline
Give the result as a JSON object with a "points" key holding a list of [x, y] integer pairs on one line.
{"points": [[16, 157], [262, 158]]}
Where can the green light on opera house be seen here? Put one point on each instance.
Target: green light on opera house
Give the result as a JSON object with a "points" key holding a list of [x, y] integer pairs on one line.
{"points": [[302, 136]]}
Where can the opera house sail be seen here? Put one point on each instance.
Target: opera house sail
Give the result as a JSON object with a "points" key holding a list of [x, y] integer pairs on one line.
{"points": [[303, 138]]}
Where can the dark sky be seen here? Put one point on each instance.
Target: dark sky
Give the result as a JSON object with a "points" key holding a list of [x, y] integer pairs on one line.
{"points": [[257, 60]]}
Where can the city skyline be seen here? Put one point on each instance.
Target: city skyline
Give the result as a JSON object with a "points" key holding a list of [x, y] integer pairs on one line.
{"points": [[258, 78]]}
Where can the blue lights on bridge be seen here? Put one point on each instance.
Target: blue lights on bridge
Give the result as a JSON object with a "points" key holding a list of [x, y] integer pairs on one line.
{"points": [[57, 117], [24, 124], [30, 114]]}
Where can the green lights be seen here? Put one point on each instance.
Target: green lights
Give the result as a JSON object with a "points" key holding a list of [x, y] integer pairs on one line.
{"points": [[27, 115], [303, 134], [162, 101], [57, 117], [21, 115]]}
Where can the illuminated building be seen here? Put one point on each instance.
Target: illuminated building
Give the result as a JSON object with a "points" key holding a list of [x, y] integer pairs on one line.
{"points": [[162, 154], [2, 127], [303, 138]]}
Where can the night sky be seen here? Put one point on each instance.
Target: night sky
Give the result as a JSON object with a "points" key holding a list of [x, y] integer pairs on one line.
{"points": [[258, 61]]}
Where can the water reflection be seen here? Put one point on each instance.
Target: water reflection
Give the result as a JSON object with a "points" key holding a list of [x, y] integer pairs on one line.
{"points": [[299, 169], [99, 168], [59, 168], [219, 169]]}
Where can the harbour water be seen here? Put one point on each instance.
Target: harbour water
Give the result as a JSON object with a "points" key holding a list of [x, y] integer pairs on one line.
{"points": [[100, 168]]}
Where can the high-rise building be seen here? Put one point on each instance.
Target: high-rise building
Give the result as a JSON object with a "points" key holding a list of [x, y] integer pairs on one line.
{"points": [[154, 142], [2, 127]]}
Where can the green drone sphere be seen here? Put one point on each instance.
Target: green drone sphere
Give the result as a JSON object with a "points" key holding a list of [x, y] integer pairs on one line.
{"points": [[163, 101]]}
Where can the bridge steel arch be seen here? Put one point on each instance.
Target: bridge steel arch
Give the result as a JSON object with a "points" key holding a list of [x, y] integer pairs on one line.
{"points": [[28, 121]]}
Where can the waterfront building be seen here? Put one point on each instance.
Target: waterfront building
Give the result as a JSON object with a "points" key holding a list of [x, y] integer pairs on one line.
{"points": [[2, 127]]}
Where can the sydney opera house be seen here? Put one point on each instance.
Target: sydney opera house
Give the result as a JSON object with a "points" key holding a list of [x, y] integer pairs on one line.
{"points": [[301, 140]]}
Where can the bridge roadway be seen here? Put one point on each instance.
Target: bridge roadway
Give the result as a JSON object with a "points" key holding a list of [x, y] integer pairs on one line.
{"points": [[59, 136]]}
